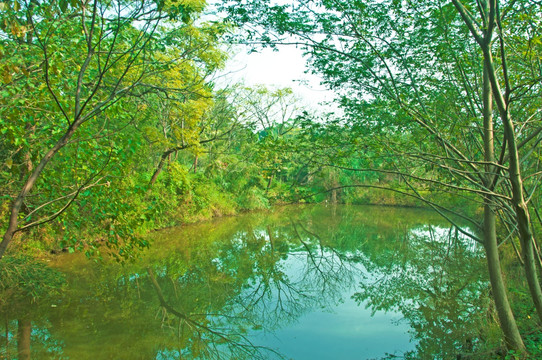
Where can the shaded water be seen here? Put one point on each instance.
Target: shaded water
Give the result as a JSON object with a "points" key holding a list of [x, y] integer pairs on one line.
{"points": [[311, 282]]}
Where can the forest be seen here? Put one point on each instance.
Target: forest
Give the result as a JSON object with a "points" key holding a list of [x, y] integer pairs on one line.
{"points": [[114, 125]]}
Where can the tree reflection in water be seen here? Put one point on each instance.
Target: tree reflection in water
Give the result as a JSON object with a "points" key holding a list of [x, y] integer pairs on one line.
{"points": [[203, 292], [435, 280]]}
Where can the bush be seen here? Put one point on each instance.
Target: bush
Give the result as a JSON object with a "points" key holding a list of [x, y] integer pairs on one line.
{"points": [[23, 277]]}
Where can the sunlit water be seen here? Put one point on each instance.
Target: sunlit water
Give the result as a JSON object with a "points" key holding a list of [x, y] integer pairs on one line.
{"points": [[311, 282]]}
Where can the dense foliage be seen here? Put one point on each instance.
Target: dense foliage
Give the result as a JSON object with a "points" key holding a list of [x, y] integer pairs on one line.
{"points": [[112, 124]]}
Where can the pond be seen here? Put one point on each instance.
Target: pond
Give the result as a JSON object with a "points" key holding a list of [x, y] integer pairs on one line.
{"points": [[298, 282]]}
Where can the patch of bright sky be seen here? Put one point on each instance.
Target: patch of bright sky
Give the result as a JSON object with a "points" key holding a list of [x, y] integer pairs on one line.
{"points": [[283, 67], [280, 68]]}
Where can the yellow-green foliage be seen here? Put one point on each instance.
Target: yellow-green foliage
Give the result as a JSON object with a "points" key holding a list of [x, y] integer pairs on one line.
{"points": [[178, 179], [192, 5]]}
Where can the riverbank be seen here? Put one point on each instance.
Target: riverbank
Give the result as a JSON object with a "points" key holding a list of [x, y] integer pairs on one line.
{"points": [[125, 222]]}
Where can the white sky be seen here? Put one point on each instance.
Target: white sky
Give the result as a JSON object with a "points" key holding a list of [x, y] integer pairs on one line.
{"points": [[282, 68], [278, 69]]}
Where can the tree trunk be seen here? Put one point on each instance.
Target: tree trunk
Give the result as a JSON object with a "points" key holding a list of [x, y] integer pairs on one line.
{"points": [[13, 223], [158, 169], [165, 155], [484, 37], [334, 185], [516, 182], [23, 339], [506, 317], [7, 337], [271, 238], [270, 181]]}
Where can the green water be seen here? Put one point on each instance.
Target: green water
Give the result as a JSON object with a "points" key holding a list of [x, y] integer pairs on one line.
{"points": [[311, 282]]}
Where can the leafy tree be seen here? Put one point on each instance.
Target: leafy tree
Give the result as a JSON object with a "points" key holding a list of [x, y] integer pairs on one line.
{"points": [[184, 102], [78, 78], [274, 115], [421, 77]]}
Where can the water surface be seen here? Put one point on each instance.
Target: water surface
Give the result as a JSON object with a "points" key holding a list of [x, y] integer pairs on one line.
{"points": [[300, 282]]}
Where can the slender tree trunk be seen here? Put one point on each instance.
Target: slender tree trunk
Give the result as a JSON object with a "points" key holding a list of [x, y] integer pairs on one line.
{"points": [[516, 181], [271, 238], [23, 339], [484, 37], [270, 181], [159, 169], [7, 337], [333, 196], [13, 223], [504, 311], [506, 317], [334, 185], [166, 155]]}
